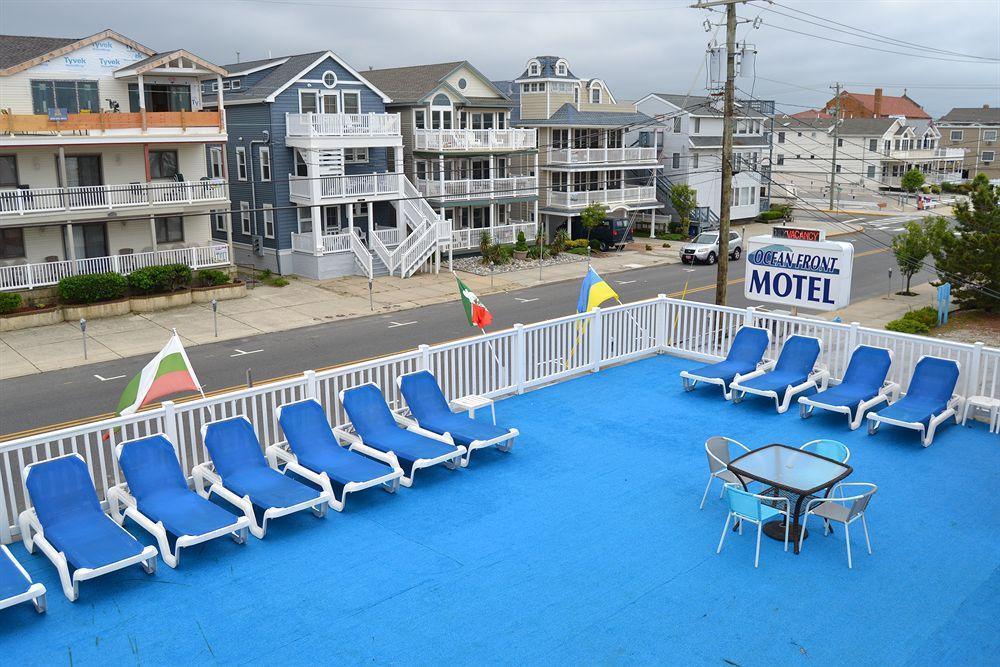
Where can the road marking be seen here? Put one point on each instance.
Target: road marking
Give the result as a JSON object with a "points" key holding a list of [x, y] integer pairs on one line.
{"points": [[852, 220], [517, 298], [626, 282], [688, 270], [393, 325], [240, 353], [871, 252], [896, 229], [104, 379], [633, 266]]}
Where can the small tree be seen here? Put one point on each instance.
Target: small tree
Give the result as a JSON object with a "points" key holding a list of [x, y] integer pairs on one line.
{"points": [[684, 199], [912, 180], [521, 245], [485, 243], [592, 216], [968, 258], [916, 243]]}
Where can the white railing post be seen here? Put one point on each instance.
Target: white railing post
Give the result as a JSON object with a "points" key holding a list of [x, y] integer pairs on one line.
{"points": [[661, 323], [194, 258], [748, 316], [425, 357], [30, 275], [975, 363], [310, 384], [116, 263], [519, 360], [170, 422], [852, 342], [596, 339]]}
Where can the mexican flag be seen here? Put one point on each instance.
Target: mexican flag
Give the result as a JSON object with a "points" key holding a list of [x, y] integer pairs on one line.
{"points": [[168, 373], [474, 309]]}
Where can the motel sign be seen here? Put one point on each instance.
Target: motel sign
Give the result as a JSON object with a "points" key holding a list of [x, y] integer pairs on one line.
{"points": [[794, 270]]}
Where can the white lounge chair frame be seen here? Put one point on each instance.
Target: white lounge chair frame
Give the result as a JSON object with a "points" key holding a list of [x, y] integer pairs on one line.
{"points": [[818, 378], [505, 443], [35, 592], [953, 409], [347, 434], [32, 535], [888, 393], [121, 497], [205, 472], [690, 381], [280, 454], [760, 524]]}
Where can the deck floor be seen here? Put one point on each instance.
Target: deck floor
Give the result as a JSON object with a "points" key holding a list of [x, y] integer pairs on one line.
{"points": [[584, 545]]}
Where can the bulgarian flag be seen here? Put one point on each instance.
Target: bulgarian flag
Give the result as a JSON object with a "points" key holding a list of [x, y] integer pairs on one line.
{"points": [[474, 309], [168, 373]]}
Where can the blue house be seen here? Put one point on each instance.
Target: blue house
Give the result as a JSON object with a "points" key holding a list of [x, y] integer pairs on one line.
{"points": [[316, 171]]}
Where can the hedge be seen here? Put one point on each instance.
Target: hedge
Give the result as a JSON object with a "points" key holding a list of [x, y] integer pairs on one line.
{"points": [[9, 302], [92, 287], [213, 277], [919, 321], [157, 279]]}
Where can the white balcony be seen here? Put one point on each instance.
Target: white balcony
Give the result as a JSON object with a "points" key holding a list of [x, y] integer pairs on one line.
{"points": [[630, 195], [927, 154], [110, 197], [334, 189], [464, 239], [474, 140], [590, 156], [342, 125], [30, 276], [480, 188]]}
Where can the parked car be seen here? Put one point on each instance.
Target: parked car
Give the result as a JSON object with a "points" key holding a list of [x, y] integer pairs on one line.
{"points": [[611, 233], [705, 248]]}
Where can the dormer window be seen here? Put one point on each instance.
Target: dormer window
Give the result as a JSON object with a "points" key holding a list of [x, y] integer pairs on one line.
{"points": [[595, 95], [534, 69], [561, 69]]}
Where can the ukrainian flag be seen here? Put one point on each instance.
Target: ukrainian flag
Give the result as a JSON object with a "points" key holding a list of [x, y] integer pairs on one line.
{"points": [[593, 292]]}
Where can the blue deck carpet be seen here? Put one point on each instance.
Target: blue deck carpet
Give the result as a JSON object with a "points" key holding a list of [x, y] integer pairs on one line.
{"points": [[584, 545]]}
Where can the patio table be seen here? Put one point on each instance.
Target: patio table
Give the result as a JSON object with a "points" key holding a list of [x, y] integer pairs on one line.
{"points": [[792, 473]]}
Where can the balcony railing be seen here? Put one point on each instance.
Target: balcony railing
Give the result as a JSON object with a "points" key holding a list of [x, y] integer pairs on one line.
{"points": [[463, 239], [29, 276], [928, 154], [109, 197], [342, 124], [601, 155], [329, 188], [481, 188], [583, 198], [474, 140], [115, 122]]}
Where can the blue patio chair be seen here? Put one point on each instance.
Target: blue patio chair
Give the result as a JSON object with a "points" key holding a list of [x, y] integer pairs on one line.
{"points": [[862, 388], [15, 584], [384, 435], [156, 496], [311, 450], [239, 474], [66, 522], [831, 449], [431, 411], [756, 509], [841, 509], [928, 403], [745, 356], [796, 371]]}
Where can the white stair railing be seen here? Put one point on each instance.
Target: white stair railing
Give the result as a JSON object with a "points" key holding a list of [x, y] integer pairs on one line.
{"points": [[416, 248], [388, 258], [362, 257]]}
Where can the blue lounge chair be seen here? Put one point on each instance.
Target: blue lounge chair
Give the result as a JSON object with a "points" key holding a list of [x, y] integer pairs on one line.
{"points": [[929, 401], [795, 372], [239, 474], [311, 450], [861, 389], [384, 435], [431, 411], [15, 584], [66, 522], [745, 356], [156, 496]]}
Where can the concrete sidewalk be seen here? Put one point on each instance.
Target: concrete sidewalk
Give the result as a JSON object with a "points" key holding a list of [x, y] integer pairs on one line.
{"points": [[877, 312]]}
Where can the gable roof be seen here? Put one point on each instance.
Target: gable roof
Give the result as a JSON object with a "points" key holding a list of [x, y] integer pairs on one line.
{"points": [[19, 52], [812, 114], [164, 58], [412, 84], [568, 114], [701, 105], [870, 127], [797, 123], [891, 105], [985, 114]]}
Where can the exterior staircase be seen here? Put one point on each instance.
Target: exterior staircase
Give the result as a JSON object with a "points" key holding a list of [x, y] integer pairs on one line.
{"points": [[378, 267], [426, 234]]}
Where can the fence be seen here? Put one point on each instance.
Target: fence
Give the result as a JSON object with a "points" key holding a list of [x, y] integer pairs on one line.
{"points": [[498, 364]]}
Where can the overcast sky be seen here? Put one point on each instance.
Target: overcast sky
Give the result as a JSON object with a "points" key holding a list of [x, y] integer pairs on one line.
{"points": [[637, 46]]}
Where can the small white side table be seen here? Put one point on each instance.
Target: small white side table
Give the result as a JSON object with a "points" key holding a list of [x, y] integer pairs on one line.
{"points": [[474, 402], [987, 404]]}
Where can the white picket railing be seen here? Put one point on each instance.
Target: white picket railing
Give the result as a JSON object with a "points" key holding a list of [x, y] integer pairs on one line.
{"points": [[474, 140], [342, 124], [30, 276], [89, 197], [498, 364], [319, 189], [389, 236], [362, 257], [481, 188], [598, 155], [463, 239], [623, 195]]}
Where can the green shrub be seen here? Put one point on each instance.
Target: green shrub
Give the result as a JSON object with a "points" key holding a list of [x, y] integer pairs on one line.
{"points": [[278, 282], [522, 242], [93, 287], [212, 277], [936, 189], [533, 252], [595, 245], [159, 279], [926, 316], [671, 237], [577, 243], [577, 251], [768, 216], [559, 242], [903, 325], [9, 302]]}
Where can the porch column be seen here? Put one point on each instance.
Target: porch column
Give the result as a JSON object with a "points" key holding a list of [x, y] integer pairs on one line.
{"points": [[350, 217], [316, 215], [142, 102], [371, 223], [222, 106], [152, 233], [145, 162], [652, 225], [398, 154], [536, 213], [492, 208], [441, 175], [569, 225]]}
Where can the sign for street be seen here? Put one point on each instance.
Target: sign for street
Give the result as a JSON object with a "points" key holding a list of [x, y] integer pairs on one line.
{"points": [[796, 273]]}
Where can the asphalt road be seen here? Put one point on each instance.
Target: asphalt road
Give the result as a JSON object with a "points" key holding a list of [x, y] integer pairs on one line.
{"points": [[55, 397]]}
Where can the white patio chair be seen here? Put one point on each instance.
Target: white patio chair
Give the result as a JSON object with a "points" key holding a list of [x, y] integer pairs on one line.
{"points": [[841, 509], [719, 456]]}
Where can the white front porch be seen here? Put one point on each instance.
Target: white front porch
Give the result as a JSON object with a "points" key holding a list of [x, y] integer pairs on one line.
{"points": [[625, 196], [475, 140], [514, 187]]}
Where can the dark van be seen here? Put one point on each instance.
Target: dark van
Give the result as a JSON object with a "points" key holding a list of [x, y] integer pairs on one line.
{"points": [[611, 233]]}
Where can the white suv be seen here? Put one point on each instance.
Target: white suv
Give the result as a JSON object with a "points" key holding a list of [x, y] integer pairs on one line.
{"points": [[705, 248]]}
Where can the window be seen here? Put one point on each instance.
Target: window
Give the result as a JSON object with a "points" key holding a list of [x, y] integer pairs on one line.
{"points": [[226, 85], [957, 135], [694, 160], [576, 95], [268, 215], [677, 124], [11, 242], [329, 78], [74, 96], [308, 101], [237, 84], [241, 163], [161, 97], [352, 101], [560, 138], [988, 156], [215, 161], [245, 218], [462, 84], [301, 168], [304, 214], [8, 171], [163, 164], [697, 126], [781, 137], [873, 145], [595, 95], [265, 163], [675, 162], [420, 170], [419, 119], [840, 143], [838, 168], [780, 159], [501, 121], [169, 229], [561, 69], [871, 171], [355, 155], [533, 69], [218, 221], [989, 135]]}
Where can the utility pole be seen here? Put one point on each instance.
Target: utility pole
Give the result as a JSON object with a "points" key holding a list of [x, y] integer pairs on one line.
{"points": [[836, 140]]}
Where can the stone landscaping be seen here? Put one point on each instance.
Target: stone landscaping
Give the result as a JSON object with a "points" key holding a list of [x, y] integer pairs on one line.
{"points": [[474, 265]]}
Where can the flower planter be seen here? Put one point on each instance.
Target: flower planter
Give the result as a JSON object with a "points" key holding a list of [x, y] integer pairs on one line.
{"points": [[89, 311], [520, 255], [236, 290], [154, 302], [34, 317]]}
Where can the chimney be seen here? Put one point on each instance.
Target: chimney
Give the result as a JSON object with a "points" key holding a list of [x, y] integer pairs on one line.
{"points": [[878, 103]]}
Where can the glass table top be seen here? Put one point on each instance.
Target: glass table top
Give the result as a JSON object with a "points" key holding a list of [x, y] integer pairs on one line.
{"points": [[792, 469]]}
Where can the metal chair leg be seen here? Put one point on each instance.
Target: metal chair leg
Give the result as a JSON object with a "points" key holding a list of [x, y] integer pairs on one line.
{"points": [[802, 529], [705, 495], [756, 555], [788, 521], [847, 540], [725, 529], [864, 524]]}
